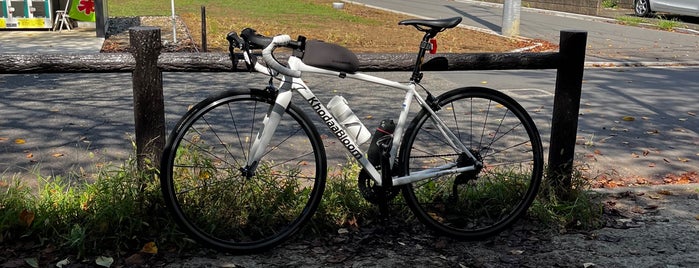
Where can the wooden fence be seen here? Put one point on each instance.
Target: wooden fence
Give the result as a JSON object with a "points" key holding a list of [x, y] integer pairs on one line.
{"points": [[147, 64]]}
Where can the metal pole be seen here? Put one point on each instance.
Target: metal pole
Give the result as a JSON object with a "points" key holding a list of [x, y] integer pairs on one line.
{"points": [[174, 22], [510, 17]]}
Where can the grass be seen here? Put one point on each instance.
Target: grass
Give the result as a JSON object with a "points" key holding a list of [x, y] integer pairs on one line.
{"points": [[610, 3], [631, 20], [659, 22], [666, 24], [359, 28], [123, 210]]}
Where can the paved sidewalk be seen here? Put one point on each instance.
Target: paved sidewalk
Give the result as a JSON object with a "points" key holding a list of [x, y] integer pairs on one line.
{"points": [[79, 40]]}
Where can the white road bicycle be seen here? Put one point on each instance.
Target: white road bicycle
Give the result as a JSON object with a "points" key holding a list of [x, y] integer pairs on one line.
{"points": [[244, 170]]}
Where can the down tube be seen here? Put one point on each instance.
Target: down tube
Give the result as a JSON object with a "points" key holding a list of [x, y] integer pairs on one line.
{"points": [[332, 124]]}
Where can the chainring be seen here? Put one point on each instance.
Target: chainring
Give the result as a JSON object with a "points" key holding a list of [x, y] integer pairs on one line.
{"points": [[373, 193]]}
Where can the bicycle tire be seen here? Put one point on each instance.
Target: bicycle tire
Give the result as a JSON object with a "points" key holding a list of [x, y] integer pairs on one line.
{"points": [[475, 204], [211, 198]]}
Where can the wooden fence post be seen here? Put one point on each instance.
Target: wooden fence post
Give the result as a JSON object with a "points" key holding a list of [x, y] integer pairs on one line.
{"points": [[149, 107], [566, 106]]}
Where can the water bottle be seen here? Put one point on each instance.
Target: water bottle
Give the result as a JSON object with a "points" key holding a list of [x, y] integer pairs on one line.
{"points": [[350, 122], [382, 139]]}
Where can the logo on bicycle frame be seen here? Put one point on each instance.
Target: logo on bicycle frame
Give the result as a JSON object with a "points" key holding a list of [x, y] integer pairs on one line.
{"points": [[335, 128]]}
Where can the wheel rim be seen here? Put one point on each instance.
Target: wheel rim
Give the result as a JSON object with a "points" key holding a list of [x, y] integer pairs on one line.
{"points": [[217, 203], [478, 203], [642, 7]]}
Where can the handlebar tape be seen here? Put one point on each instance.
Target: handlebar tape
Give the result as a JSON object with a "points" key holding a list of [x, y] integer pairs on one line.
{"points": [[268, 58]]}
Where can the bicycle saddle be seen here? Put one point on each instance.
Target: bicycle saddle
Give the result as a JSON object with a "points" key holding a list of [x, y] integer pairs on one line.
{"points": [[432, 25]]}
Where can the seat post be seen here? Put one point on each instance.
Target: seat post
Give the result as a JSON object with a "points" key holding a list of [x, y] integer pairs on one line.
{"points": [[424, 46]]}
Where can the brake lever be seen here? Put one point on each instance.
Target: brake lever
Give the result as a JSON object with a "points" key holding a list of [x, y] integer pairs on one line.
{"points": [[234, 42]]}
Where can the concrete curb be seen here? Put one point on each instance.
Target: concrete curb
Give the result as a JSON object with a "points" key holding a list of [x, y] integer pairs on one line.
{"points": [[691, 187]]}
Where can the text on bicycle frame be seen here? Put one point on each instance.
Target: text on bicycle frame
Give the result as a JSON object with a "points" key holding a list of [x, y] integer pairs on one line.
{"points": [[335, 128]]}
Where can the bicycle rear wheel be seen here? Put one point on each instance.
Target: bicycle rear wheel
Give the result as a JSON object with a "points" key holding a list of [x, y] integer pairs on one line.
{"points": [[210, 196], [497, 131]]}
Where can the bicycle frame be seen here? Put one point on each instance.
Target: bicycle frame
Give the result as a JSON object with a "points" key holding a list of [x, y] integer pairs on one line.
{"points": [[290, 84]]}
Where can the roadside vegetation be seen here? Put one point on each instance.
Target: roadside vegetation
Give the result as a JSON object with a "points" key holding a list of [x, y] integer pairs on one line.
{"points": [[659, 22], [359, 28], [122, 213]]}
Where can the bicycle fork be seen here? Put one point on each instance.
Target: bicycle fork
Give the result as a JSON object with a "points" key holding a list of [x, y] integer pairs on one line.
{"points": [[269, 126]]}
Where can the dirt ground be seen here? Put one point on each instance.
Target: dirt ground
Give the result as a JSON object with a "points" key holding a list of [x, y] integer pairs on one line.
{"points": [[645, 227], [394, 38]]}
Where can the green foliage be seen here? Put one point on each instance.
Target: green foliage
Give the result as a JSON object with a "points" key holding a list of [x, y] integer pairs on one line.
{"points": [[610, 3], [631, 20], [284, 10], [121, 210], [342, 203], [577, 210], [668, 25]]}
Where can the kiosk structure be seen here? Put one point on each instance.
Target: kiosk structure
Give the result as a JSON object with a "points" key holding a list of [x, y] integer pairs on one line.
{"points": [[26, 14]]}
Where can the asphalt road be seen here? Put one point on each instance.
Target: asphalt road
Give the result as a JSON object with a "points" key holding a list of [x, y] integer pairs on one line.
{"points": [[54, 123]]}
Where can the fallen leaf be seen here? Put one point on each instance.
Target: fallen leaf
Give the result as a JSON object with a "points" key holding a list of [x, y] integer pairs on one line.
{"points": [[691, 113], [104, 261], [665, 192], [369, 117], [598, 152], [57, 155], [20, 141], [484, 82], [628, 118], [684, 160], [33, 262], [651, 164], [26, 217], [150, 248], [62, 263], [3, 139], [30, 155], [696, 217], [634, 155]]}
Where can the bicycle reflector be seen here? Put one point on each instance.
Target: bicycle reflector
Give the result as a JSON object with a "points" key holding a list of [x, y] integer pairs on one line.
{"points": [[433, 46]]}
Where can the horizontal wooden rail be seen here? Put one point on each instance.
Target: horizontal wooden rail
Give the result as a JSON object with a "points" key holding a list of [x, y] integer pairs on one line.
{"points": [[220, 62]]}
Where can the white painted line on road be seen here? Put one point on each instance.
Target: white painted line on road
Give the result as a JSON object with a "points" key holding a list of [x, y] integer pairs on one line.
{"points": [[525, 93], [614, 64]]}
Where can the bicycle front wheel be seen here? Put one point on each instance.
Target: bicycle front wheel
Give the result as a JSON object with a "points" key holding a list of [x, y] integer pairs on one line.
{"points": [[499, 133], [216, 199]]}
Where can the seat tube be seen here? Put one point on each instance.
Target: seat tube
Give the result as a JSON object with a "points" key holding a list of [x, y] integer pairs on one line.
{"points": [[270, 123]]}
